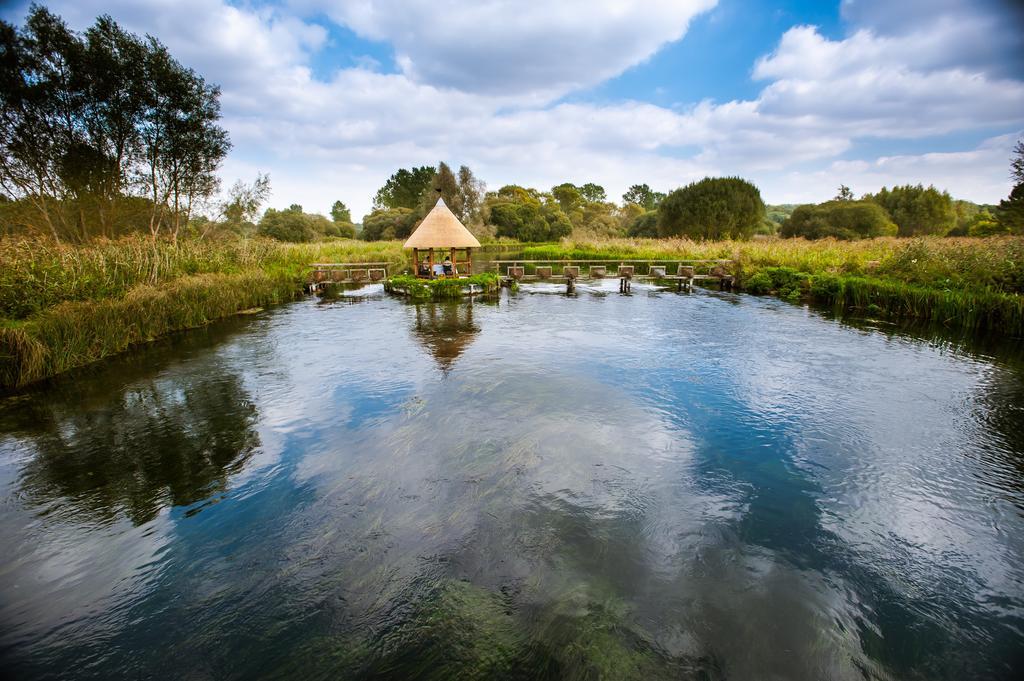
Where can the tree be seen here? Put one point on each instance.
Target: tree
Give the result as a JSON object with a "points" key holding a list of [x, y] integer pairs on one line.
{"points": [[568, 196], [388, 223], [713, 208], [917, 210], [84, 116], [1010, 213], [529, 221], [339, 213], [294, 225], [593, 192], [844, 194], [839, 218], [985, 224], [471, 194], [404, 189], [1017, 163], [645, 225], [445, 186], [242, 204], [643, 196]]}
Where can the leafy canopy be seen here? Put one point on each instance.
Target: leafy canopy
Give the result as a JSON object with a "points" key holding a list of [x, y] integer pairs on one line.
{"points": [[405, 188], [839, 218], [713, 208], [917, 210]]}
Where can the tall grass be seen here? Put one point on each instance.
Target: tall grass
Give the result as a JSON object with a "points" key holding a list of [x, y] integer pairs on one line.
{"points": [[63, 307], [973, 283], [36, 274]]}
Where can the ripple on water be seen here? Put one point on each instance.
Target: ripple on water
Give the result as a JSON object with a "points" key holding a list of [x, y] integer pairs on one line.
{"points": [[654, 485]]}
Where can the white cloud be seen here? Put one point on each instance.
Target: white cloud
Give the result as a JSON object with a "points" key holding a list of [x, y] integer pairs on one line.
{"points": [[503, 47], [341, 136]]}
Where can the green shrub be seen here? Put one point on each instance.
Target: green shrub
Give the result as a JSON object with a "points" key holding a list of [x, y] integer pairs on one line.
{"points": [[714, 208], [839, 219], [917, 210]]}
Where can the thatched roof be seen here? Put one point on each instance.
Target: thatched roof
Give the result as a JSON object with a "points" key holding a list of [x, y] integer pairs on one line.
{"points": [[441, 229]]}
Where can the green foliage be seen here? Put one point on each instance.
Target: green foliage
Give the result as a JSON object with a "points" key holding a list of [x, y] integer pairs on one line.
{"points": [[843, 194], [713, 208], [643, 196], [593, 192], [983, 223], [529, 221], [340, 212], [1017, 163], [241, 207], [295, 226], [394, 223], [65, 307], [1010, 213], [842, 219], [974, 283], [439, 289], [471, 197], [404, 189], [645, 225], [568, 196], [90, 119], [917, 210]]}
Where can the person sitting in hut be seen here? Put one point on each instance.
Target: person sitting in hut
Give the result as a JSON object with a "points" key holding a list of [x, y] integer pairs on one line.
{"points": [[424, 269], [448, 269]]}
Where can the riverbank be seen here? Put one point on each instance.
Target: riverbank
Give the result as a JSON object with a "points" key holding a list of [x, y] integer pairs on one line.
{"points": [[64, 307], [965, 282]]}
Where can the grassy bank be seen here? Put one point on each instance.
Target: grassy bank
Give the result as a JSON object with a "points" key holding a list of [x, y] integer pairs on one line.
{"points": [[973, 283], [65, 307]]}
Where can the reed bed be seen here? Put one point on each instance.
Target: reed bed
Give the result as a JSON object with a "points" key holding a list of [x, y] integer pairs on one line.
{"points": [[64, 307], [967, 282], [37, 274]]}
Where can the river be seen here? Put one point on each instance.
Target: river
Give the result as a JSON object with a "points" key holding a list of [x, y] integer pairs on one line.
{"points": [[653, 485]]}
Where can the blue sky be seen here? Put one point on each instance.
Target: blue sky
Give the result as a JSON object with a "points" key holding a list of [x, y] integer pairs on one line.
{"points": [[331, 96]]}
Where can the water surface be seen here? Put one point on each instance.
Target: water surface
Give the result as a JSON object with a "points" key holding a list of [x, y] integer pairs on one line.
{"points": [[653, 485]]}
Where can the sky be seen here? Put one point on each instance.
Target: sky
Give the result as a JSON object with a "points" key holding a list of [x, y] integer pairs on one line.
{"points": [[332, 96]]}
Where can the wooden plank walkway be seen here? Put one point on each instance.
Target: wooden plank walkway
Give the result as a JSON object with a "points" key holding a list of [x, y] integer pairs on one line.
{"points": [[346, 273], [686, 271]]}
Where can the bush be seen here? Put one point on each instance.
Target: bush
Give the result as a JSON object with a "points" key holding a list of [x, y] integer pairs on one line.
{"points": [[839, 219], [293, 225], [917, 210], [530, 221], [714, 208], [389, 223], [645, 225]]}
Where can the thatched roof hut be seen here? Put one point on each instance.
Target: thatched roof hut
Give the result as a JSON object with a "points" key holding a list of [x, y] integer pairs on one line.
{"points": [[440, 230]]}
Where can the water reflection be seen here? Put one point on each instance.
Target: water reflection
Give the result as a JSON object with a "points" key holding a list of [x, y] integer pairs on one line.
{"points": [[165, 440], [445, 330]]}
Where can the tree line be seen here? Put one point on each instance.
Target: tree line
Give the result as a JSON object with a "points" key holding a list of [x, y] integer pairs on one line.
{"points": [[102, 132]]}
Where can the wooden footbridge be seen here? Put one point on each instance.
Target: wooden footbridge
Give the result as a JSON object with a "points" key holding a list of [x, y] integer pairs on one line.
{"points": [[682, 274], [346, 273]]}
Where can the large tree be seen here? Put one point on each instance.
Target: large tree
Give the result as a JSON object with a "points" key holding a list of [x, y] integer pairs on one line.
{"points": [[340, 212], [643, 196], [85, 117], [471, 193], [1017, 162], [713, 208], [916, 209], [1011, 210], [405, 188]]}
